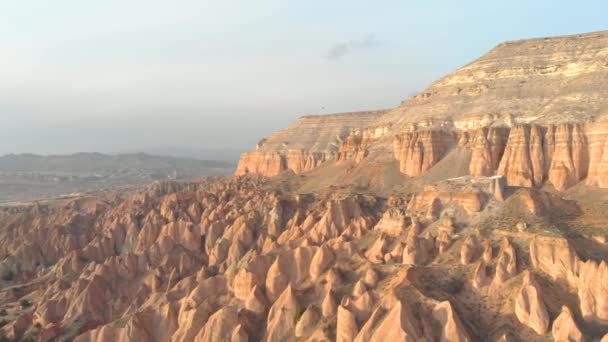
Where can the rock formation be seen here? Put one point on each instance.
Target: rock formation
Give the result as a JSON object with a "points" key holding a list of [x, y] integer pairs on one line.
{"points": [[346, 328], [378, 226], [453, 329], [565, 328], [530, 308], [417, 152]]}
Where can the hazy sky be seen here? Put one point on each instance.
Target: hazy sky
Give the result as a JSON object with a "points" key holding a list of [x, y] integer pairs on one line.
{"points": [[127, 75]]}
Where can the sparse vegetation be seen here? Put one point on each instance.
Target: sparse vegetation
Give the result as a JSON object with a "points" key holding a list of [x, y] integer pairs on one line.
{"points": [[8, 275], [453, 286], [299, 312], [25, 303]]}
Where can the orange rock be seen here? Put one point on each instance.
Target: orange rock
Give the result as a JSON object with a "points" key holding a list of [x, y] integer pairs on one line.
{"points": [[506, 266], [359, 289], [256, 301], [452, 327], [190, 322], [393, 222], [239, 334], [346, 327], [480, 276], [370, 278], [570, 159], [417, 250], [361, 306], [219, 327], [398, 325], [565, 327], [556, 257], [329, 306], [307, 322], [375, 254], [280, 325], [488, 145], [322, 259], [468, 250], [276, 280], [529, 306], [417, 152], [522, 161], [488, 253], [593, 290]]}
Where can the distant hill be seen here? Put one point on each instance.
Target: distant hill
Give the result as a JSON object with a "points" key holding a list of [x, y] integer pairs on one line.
{"points": [[30, 176]]}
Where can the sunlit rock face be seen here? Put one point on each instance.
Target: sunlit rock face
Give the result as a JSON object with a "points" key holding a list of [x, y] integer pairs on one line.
{"points": [[531, 110], [309, 142], [475, 211]]}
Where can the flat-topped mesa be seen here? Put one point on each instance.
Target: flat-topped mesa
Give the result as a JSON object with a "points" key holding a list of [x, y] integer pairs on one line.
{"points": [[544, 80], [534, 111], [306, 144]]}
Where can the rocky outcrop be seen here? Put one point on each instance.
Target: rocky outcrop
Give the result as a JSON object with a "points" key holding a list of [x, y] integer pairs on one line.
{"points": [[569, 158], [354, 147], [506, 266], [468, 250], [393, 222], [522, 162], [282, 318], [417, 152], [391, 238], [565, 327], [593, 290], [329, 306], [487, 145], [597, 138], [432, 202], [271, 163], [346, 326], [418, 250], [453, 329], [398, 325], [219, 327], [530, 308], [303, 146], [321, 261], [557, 258], [530, 116], [307, 322]]}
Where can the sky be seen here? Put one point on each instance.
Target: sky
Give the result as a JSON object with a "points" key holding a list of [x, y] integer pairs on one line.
{"points": [[123, 76]]}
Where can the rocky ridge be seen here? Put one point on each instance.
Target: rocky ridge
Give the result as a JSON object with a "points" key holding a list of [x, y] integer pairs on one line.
{"points": [[473, 212], [533, 111]]}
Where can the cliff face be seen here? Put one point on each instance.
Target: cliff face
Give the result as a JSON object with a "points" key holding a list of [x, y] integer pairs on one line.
{"points": [[487, 145], [448, 253], [311, 141], [417, 152], [531, 110]]}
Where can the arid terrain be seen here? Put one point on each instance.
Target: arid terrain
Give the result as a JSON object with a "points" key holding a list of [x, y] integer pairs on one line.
{"points": [[27, 177], [477, 210]]}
